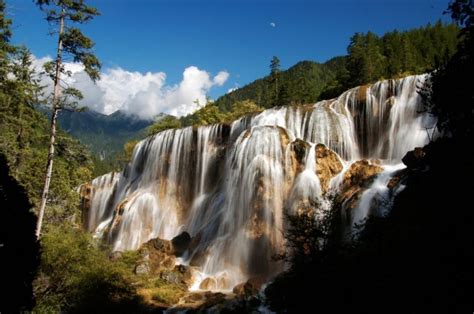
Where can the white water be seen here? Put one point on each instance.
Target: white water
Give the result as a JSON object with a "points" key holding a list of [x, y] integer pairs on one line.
{"points": [[229, 186]]}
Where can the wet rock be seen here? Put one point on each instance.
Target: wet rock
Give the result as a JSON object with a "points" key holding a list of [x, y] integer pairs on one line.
{"points": [[362, 94], [222, 282], [213, 299], [249, 288], [328, 165], [208, 284], [193, 298], [181, 243], [413, 159], [299, 149], [157, 253], [160, 245], [142, 269], [356, 179], [85, 192], [360, 172]]}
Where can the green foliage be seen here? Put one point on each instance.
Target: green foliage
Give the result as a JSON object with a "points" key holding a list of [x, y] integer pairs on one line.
{"points": [[168, 122], [395, 54], [302, 83], [77, 275], [449, 94], [166, 293], [24, 134], [75, 43], [5, 48]]}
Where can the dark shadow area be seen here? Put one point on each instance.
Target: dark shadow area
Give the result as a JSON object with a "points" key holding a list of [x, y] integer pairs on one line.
{"points": [[18, 246], [417, 259]]}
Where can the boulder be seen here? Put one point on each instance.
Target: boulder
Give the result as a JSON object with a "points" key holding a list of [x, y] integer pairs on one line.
{"points": [[142, 269], [356, 179], [171, 277], [249, 288], [208, 283], [181, 243], [168, 262], [328, 165], [413, 159], [157, 253], [360, 172], [187, 273], [298, 154], [160, 245]]}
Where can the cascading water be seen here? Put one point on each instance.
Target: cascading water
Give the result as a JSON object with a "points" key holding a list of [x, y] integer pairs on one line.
{"points": [[229, 186]]}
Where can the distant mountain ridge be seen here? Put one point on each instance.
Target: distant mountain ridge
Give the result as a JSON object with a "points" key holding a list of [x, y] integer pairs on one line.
{"points": [[104, 134]]}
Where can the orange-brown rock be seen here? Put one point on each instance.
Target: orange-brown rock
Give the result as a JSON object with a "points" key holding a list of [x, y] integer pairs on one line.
{"points": [[298, 154], [208, 283], [356, 179], [249, 288], [362, 95], [328, 164], [158, 254], [85, 192]]}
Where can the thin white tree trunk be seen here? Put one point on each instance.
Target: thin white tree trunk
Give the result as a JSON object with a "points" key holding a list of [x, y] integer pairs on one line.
{"points": [[55, 110]]}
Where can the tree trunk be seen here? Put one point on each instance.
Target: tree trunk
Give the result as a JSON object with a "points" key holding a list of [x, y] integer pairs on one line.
{"points": [[55, 110]]}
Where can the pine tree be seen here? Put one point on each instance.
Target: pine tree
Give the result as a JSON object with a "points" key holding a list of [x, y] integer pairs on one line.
{"points": [[71, 42], [274, 76], [5, 48]]}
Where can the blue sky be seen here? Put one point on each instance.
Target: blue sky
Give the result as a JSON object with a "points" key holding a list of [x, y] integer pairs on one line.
{"points": [[235, 36]]}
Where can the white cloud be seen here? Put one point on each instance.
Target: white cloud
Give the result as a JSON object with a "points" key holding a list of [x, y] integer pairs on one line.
{"points": [[273, 24], [145, 95], [221, 78]]}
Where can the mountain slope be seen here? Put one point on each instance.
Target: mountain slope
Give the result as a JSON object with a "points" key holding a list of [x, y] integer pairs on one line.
{"points": [[302, 83], [104, 135]]}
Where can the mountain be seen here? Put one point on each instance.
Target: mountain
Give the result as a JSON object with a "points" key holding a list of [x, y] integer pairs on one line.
{"points": [[103, 134], [302, 83]]}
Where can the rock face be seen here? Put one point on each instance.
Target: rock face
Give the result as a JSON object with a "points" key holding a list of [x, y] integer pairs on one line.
{"points": [[249, 288], [157, 253], [298, 154], [86, 194], [328, 164], [357, 178], [208, 284], [413, 158], [142, 269], [181, 243]]}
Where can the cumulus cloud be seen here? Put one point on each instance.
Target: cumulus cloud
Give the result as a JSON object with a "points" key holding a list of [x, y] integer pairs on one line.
{"points": [[145, 95]]}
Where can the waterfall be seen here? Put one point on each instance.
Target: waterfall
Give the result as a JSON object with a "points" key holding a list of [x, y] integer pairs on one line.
{"points": [[229, 186]]}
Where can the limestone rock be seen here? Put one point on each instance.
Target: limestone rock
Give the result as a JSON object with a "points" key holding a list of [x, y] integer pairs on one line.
{"points": [[328, 165], [168, 262], [208, 283], [356, 179], [142, 269], [249, 288], [171, 277], [187, 272]]}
